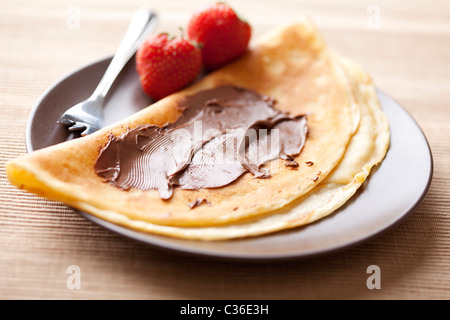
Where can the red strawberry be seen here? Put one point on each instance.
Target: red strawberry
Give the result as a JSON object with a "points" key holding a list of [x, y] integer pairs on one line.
{"points": [[166, 65], [221, 33]]}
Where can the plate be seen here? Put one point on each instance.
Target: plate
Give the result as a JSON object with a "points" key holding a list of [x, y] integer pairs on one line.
{"points": [[394, 189]]}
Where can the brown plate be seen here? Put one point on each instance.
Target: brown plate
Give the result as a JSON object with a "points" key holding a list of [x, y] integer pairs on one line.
{"points": [[393, 191]]}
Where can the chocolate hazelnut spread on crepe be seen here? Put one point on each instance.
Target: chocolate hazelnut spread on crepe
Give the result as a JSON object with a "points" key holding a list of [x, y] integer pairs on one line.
{"points": [[234, 129]]}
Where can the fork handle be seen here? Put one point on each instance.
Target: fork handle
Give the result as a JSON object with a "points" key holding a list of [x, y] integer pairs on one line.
{"points": [[142, 24]]}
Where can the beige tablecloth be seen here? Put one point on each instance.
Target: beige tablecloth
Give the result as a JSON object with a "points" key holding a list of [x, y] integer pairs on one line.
{"points": [[405, 45]]}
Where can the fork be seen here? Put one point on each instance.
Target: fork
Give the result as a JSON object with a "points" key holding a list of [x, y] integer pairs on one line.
{"points": [[88, 115]]}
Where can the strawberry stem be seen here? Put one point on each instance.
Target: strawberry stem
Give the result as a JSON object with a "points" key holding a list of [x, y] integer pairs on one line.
{"points": [[181, 32], [170, 37]]}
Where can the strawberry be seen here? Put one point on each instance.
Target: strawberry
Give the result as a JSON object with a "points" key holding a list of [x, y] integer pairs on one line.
{"points": [[166, 65], [222, 35]]}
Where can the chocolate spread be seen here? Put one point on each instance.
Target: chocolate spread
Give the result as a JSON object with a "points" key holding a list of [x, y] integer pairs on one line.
{"points": [[222, 134]]}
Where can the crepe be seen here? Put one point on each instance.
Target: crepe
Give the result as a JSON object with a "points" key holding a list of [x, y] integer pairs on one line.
{"points": [[291, 64], [367, 148]]}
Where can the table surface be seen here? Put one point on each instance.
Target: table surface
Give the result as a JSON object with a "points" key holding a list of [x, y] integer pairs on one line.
{"points": [[405, 45]]}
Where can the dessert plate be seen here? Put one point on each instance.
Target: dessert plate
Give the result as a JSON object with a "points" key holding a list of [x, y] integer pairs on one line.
{"points": [[394, 189]]}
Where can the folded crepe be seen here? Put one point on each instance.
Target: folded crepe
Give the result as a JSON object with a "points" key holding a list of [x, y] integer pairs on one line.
{"points": [[348, 135]]}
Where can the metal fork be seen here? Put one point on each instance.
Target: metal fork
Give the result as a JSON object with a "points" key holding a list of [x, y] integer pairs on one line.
{"points": [[88, 115]]}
